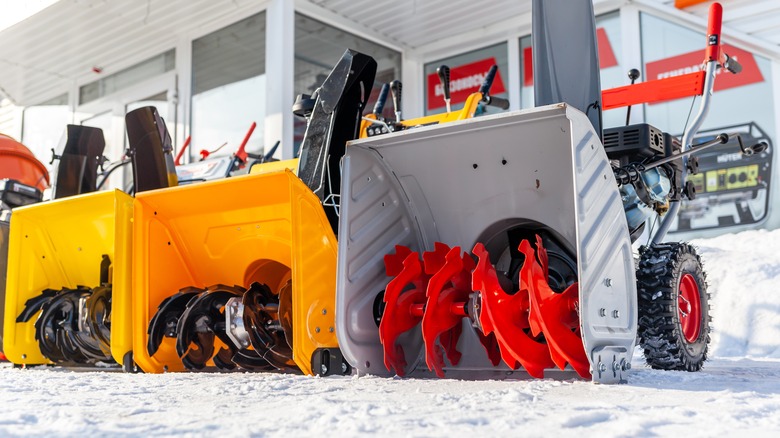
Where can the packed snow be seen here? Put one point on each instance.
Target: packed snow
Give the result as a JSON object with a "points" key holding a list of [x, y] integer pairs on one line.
{"points": [[738, 392]]}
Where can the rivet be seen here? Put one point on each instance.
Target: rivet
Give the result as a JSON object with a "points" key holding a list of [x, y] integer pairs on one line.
{"points": [[602, 312], [331, 329], [615, 314], [324, 312], [608, 282], [316, 330], [24, 356]]}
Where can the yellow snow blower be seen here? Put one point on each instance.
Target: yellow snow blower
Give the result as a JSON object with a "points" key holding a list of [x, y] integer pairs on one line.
{"points": [[67, 277], [22, 181]]}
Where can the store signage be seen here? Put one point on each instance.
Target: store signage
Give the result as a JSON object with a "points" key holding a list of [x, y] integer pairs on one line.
{"points": [[692, 62], [685, 3], [464, 80], [607, 57]]}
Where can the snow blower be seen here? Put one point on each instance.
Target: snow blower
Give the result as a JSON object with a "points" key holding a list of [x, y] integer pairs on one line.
{"points": [[256, 273], [22, 181], [68, 281], [504, 243]]}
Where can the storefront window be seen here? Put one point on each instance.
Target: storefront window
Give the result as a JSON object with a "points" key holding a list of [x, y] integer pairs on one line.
{"points": [[44, 125], [318, 47], [613, 73], [151, 67], [732, 189], [467, 71], [228, 87]]}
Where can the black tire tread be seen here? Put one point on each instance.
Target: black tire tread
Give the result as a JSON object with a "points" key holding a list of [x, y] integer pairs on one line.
{"points": [[659, 331]]}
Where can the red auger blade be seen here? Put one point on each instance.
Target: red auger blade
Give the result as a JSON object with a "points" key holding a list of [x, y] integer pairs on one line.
{"points": [[403, 308], [448, 293], [506, 316], [551, 313]]}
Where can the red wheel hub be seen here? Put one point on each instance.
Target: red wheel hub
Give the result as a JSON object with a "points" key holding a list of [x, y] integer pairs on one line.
{"points": [[689, 308]]}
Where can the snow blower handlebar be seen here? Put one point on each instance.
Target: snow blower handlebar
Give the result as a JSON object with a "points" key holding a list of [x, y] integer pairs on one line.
{"points": [[487, 99], [186, 144], [713, 62]]}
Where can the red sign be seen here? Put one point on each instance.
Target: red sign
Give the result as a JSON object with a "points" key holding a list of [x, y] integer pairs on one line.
{"points": [[691, 62], [607, 57], [464, 80]]}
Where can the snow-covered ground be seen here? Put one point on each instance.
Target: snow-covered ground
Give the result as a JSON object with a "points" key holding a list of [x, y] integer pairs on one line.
{"points": [[737, 393]]}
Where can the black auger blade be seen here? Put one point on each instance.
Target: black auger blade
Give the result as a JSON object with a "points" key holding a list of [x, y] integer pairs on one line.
{"points": [[202, 321], [164, 322], [261, 320]]}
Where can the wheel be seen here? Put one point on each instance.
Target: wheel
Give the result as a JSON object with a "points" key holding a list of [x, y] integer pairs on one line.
{"points": [[674, 317], [129, 365]]}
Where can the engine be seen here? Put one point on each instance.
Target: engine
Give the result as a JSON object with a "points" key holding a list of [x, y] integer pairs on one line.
{"points": [[645, 192]]}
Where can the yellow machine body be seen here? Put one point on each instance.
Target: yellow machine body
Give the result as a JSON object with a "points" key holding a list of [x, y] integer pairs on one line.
{"points": [[467, 112], [274, 166], [267, 228], [60, 244]]}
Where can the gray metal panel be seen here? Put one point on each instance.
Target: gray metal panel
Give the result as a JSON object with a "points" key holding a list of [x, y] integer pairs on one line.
{"points": [[607, 282], [420, 186], [566, 61], [417, 187]]}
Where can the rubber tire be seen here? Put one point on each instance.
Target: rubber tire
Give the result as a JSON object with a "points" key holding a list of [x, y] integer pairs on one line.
{"points": [[660, 270], [129, 365]]}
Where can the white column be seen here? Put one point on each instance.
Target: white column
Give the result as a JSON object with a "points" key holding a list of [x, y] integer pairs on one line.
{"points": [[279, 65], [412, 100], [513, 45]]}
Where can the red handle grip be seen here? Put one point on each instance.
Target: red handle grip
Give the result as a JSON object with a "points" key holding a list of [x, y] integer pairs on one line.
{"points": [[713, 32], [241, 153], [181, 151]]}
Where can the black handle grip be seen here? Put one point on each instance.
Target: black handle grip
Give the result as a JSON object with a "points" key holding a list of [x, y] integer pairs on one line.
{"points": [[395, 88], [379, 106], [732, 65], [444, 77], [488, 82], [497, 102]]}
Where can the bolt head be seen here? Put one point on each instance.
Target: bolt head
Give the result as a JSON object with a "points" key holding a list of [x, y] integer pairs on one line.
{"points": [[323, 369], [343, 367]]}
